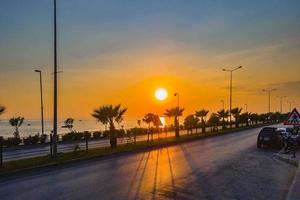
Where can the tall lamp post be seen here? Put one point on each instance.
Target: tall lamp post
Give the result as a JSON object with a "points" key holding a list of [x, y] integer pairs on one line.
{"points": [[55, 85], [281, 97], [230, 95], [269, 96], [42, 104]]}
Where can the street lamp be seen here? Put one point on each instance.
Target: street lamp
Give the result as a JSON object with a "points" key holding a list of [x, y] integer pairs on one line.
{"points": [[42, 104], [269, 96], [281, 97], [230, 95], [54, 143]]}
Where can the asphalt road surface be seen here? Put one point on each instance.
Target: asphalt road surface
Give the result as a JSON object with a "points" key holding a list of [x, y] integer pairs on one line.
{"points": [[223, 167]]}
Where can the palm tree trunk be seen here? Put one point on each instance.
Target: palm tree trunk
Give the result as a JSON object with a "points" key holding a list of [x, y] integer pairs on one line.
{"points": [[113, 137], [203, 125], [176, 127]]}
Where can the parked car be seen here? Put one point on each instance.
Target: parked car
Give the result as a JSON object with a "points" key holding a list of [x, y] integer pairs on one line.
{"points": [[271, 137]]}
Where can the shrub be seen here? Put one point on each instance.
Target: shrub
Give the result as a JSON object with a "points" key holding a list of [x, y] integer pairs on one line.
{"points": [[31, 139], [97, 134], [87, 135], [43, 138], [72, 136], [14, 141]]}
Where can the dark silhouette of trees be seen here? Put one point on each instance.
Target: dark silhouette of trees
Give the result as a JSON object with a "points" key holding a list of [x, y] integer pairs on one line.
{"points": [[175, 113], [222, 114], [2, 109], [236, 112], [110, 115], [214, 121], [154, 119], [69, 124], [16, 122], [202, 114], [191, 122]]}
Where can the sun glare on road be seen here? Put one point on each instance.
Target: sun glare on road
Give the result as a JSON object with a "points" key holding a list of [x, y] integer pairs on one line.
{"points": [[161, 94]]}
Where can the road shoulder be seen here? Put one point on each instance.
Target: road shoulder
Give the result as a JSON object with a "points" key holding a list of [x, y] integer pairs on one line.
{"points": [[294, 190]]}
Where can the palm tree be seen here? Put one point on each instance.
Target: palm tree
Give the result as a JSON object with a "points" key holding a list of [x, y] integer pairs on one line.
{"points": [[236, 112], [175, 112], [254, 117], [214, 120], [156, 123], [191, 122], [244, 118], [2, 109], [110, 115], [202, 114], [68, 123], [222, 114], [16, 122], [150, 118]]}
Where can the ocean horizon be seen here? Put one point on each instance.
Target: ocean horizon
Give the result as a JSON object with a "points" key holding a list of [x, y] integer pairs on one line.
{"points": [[33, 126]]}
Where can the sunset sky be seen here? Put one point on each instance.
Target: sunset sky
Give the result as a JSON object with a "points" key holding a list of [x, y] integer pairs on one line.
{"points": [[120, 51]]}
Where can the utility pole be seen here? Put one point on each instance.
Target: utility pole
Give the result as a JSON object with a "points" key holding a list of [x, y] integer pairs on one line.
{"points": [[230, 95], [55, 86], [269, 96], [281, 97], [42, 104]]}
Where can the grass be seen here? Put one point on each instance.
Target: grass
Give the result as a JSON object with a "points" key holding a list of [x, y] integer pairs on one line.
{"points": [[43, 161]]}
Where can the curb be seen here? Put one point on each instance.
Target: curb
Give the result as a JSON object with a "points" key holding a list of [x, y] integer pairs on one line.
{"points": [[286, 160], [294, 193]]}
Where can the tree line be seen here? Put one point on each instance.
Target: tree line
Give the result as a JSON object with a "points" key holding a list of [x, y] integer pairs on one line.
{"points": [[110, 115]]}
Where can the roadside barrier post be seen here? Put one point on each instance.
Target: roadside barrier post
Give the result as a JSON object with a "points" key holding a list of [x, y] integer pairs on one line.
{"points": [[1, 151], [86, 144], [51, 146]]}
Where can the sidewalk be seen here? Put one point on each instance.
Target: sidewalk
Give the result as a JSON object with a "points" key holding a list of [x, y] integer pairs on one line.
{"points": [[294, 190]]}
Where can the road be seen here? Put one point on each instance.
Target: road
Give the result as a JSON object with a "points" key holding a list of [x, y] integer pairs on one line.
{"points": [[223, 167]]}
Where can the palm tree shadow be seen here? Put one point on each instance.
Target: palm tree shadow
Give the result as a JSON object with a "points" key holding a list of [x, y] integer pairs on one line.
{"points": [[142, 177], [155, 176], [135, 175]]}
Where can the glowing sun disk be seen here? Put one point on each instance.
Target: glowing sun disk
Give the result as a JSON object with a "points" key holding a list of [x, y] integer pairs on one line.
{"points": [[161, 94]]}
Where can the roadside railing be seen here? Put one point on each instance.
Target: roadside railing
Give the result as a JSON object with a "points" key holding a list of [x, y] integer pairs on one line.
{"points": [[87, 141]]}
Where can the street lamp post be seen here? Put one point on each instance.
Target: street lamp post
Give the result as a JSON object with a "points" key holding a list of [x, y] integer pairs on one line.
{"points": [[55, 85], [42, 104], [246, 106], [230, 95], [269, 96], [281, 97]]}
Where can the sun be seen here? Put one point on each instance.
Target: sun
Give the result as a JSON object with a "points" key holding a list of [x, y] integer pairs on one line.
{"points": [[161, 94]]}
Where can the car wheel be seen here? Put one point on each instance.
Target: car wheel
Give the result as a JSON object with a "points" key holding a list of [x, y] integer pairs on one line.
{"points": [[258, 144]]}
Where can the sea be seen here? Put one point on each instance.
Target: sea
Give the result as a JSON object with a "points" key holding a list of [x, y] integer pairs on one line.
{"points": [[32, 127]]}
